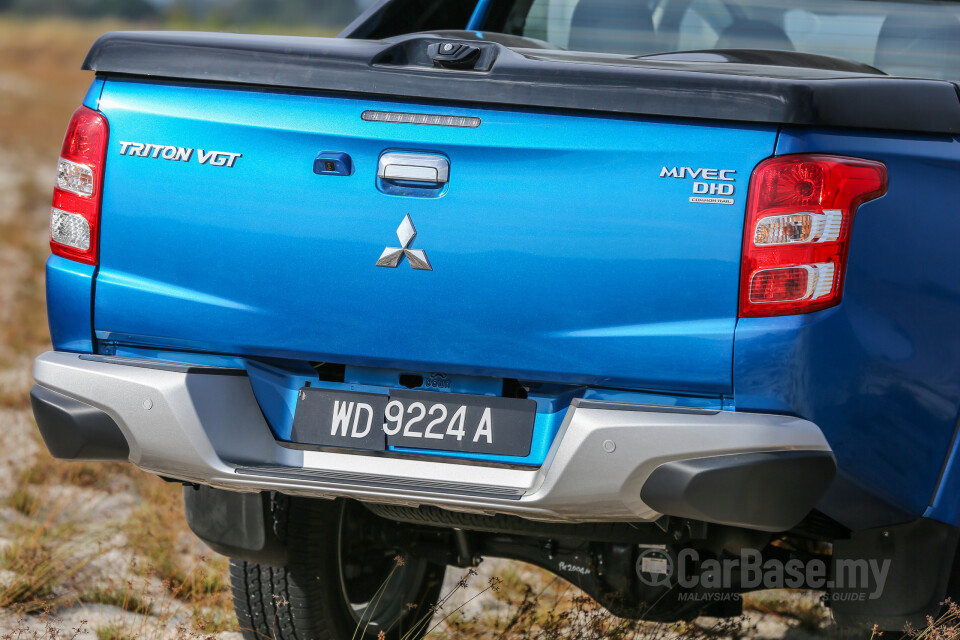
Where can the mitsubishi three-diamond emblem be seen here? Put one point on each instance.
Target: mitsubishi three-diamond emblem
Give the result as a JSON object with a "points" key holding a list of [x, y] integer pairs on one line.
{"points": [[392, 256]]}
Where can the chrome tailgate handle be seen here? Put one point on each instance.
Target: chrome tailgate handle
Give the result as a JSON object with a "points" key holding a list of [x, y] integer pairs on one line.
{"points": [[414, 167]]}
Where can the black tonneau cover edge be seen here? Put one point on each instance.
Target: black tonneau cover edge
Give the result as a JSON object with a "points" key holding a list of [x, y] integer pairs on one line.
{"points": [[399, 68]]}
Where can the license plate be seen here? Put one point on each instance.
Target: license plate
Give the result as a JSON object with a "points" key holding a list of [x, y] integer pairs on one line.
{"points": [[414, 420]]}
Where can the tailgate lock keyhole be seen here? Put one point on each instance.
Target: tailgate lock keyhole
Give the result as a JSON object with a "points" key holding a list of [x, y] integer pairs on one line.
{"points": [[410, 380], [333, 163]]}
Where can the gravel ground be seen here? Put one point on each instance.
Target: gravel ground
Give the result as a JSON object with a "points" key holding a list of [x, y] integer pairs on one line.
{"points": [[478, 602]]}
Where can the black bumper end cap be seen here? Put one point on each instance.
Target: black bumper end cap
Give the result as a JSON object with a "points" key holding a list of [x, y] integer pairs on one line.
{"points": [[767, 491], [74, 430]]}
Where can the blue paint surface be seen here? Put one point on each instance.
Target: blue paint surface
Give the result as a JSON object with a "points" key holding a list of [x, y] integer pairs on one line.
{"points": [[92, 98], [880, 374], [180, 357], [559, 254], [69, 301], [479, 15]]}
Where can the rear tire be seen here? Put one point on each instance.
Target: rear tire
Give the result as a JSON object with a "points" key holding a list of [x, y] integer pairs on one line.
{"points": [[335, 584]]}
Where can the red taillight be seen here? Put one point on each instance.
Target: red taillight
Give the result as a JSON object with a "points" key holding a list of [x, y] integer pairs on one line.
{"points": [[75, 216], [800, 211]]}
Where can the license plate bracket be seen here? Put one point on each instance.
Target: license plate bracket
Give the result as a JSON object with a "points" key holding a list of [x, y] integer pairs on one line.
{"points": [[457, 423]]}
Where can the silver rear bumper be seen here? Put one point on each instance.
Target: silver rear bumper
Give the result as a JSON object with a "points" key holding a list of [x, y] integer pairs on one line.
{"points": [[202, 426]]}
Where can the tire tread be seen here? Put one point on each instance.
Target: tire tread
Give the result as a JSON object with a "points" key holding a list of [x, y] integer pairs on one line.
{"points": [[300, 601]]}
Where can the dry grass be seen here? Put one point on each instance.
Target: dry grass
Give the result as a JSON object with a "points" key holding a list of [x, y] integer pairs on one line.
{"points": [[54, 552], [522, 602], [123, 597], [114, 631], [944, 627], [155, 536], [46, 471], [41, 80], [800, 606], [23, 325], [46, 627], [158, 531], [41, 557]]}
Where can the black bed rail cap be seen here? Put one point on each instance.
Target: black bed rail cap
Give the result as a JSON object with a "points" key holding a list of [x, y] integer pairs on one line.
{"points": [[539, 79]]}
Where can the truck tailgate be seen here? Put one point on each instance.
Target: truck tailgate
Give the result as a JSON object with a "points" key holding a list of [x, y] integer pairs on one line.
{"points": [[563, 248]]}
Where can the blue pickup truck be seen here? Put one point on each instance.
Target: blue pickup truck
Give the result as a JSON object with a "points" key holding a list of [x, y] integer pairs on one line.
{"points": [[638, 291]]}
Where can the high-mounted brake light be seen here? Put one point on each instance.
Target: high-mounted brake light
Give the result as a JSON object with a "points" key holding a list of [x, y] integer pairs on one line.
{"points": [[800, 211], [75, 214]]}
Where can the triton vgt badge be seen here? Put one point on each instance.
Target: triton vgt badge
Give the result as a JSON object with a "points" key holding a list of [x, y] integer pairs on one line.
{"points": [[392, 256], [179, 154]]}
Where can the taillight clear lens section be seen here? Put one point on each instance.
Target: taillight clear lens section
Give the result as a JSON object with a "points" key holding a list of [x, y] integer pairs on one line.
{"points": [[75, 178], [75, 214], [69, 229], [800, 211], [792, 284], [799, 227], [780, 285]]}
